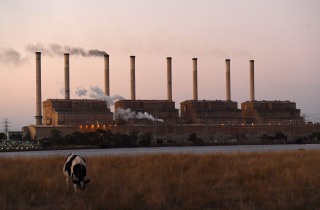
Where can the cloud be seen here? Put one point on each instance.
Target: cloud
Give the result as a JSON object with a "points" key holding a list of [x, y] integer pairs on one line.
{"points": [[11, 56]]}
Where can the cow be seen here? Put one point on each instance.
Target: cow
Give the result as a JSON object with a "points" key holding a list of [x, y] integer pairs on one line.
{"points": [[75, 169]]}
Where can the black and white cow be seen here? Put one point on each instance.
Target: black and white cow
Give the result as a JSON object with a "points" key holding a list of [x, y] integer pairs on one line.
{"points": [[75, 169]]}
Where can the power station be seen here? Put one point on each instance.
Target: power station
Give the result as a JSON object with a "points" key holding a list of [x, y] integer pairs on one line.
{"points": [[210, 119]]}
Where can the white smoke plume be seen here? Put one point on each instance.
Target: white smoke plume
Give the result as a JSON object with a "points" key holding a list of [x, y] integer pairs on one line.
{"points": [[11, 56], [81, 92], [97, 93], [59, 50], [127, 114]]}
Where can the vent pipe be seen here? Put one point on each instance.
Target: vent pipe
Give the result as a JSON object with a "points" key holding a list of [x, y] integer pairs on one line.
{"points": [[228, 84], [66, 77], [195, 79], [106, 75], [133, 80], [38, 89], [252, 98], [169, 78]]}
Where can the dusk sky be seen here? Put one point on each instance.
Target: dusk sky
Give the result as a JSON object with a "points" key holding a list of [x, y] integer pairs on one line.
{"points": [[282, 36]]}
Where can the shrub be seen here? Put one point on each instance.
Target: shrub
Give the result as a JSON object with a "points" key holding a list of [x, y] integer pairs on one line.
{"points": [[315, 135], [122, 140], [171, 142], [46, 143], [159, 141], [192, 137], [299, 140], [280, 136], [266, 137], [104, 144], [145, 139]]}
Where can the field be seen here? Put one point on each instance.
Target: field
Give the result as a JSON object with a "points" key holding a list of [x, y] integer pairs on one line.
{"points": [[275, 180]]}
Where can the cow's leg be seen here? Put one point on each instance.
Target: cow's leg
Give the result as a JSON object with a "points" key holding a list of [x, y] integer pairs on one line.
{"points": [[75, 188]]}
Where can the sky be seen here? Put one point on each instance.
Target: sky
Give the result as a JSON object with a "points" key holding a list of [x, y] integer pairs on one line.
{"points": [[282, 36]]}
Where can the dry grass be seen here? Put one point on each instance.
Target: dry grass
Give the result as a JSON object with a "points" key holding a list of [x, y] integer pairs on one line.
{"points": [[286, 180]]}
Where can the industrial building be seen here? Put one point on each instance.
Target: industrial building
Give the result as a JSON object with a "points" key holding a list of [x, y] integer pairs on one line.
{"points": [[210, 112], [267, 112], [270, 112], [76, 112], [161, 110], [203, 117]]}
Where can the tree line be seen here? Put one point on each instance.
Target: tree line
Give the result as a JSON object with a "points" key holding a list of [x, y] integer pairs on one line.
{"points": [[100, 138]]}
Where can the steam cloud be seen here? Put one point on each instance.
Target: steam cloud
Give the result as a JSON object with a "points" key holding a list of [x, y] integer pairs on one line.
{"points": [[58, 50], [11, 56], [81, 92], [97, 93], [127, 114]]}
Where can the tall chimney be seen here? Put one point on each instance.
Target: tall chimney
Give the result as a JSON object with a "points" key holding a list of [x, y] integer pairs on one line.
{"points": [[38, 89], [106, 75], [195, 79], [133, 80], [252, 98], [228, 89], [66, 77], [169, 78]]}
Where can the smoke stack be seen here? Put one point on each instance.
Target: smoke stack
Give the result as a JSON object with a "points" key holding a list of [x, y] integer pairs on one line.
{"points": [[228, 89], [195, 79], [133, 80], [38, 89], [106, 75], [169, 78], [252, 98], [66, 77]]}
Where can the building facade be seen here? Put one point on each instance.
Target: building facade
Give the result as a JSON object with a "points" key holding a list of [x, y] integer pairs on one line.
{"points": [[270, 112], [210, 112], [57, 112]]}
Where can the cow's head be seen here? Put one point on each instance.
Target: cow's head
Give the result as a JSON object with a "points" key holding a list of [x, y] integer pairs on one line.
{"points": [[79, 174], [81, 184]]}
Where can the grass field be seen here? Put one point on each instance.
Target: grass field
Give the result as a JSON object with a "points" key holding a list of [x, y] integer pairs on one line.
{"points": [[277, 180]]}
